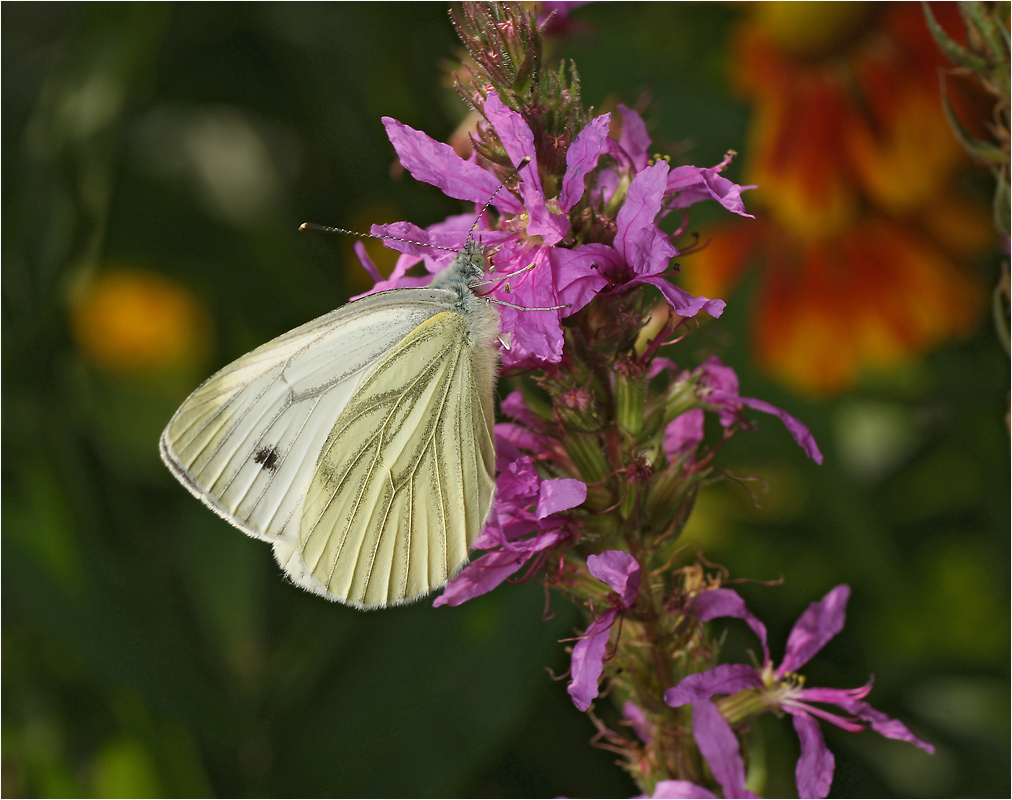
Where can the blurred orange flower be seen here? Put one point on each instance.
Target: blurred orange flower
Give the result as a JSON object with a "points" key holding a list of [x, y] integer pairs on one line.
{"points": [[131, 321], [864, 235]]}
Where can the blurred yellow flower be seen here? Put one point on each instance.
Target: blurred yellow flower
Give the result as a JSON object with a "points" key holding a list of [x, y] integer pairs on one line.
{"points": [[864, 237], [133, 320]]}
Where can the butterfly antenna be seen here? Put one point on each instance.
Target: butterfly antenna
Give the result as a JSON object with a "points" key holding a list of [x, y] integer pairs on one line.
{"points": [[523, 163], [312, 226]]}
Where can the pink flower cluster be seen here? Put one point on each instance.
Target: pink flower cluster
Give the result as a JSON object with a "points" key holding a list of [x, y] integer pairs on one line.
{"points": [[593, 230], [534, 230]]}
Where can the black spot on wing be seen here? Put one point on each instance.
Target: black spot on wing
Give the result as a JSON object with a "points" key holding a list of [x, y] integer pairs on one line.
{"points": [[267, 457]]}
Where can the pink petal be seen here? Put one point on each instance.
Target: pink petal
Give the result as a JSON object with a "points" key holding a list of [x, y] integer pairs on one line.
{"points": [[694, 184], [645, 248], [420, 243], [683, 433], [719, 376], [579, 274], [719, 745], [560, 494], [817, 694], [536, 336], [581, 157], [518, 141], [793, 705], [814, 772], [588, 661], [436, 163], [638, 721], [367, 262], [619, 570], [513, 406], [486, 572], [728, 603], [510, 439], [681, 302], [480, 577], [519, 480], [725, 679], [634, 142], [883, 724], [798, 430], [677, 790], [659, 364], [820, 623]]}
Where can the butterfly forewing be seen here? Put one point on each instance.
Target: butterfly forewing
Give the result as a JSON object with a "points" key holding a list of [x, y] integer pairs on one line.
{"points": [[246, 442], [405, 480]]}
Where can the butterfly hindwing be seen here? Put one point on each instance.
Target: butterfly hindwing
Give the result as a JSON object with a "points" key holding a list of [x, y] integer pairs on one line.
{"points": [[405, 480]]}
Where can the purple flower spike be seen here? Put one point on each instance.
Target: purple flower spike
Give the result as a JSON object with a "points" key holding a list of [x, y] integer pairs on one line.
{"points": [[530, 229], [783, 689]]}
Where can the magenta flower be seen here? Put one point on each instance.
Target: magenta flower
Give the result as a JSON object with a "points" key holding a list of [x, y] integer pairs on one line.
{"points": [[534, 231], [719, 392], [686, 185], [621, 572], [531, 228], [525, 522], [781, 688], [641, 251]]}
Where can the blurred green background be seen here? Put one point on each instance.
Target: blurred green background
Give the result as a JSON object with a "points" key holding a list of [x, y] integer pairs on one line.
{"points": [[157, 161]]}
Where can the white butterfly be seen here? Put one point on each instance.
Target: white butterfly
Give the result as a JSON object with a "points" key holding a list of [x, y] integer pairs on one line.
{"points": [[359, 444]]}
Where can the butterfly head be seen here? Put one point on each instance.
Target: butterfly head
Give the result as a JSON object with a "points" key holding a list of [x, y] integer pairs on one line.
{"points": [[471, 262]]}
